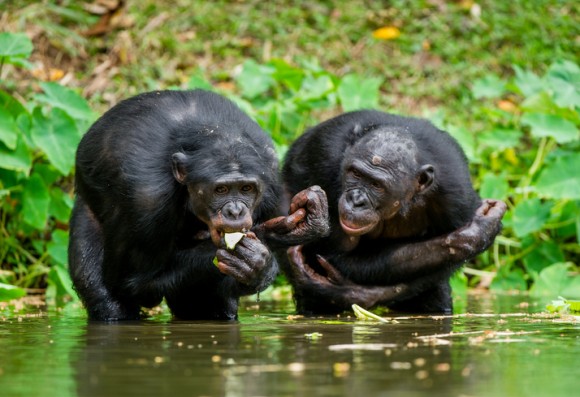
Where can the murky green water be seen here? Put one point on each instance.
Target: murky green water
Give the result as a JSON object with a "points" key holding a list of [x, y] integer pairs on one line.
{"points": [[268, 354]]}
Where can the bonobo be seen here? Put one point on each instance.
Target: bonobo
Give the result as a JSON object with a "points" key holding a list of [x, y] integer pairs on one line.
{"points": [[160, 179], [403, 214]]}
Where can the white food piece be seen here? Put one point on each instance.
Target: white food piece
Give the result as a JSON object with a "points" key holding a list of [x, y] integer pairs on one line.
{"points": [[232, 239]]}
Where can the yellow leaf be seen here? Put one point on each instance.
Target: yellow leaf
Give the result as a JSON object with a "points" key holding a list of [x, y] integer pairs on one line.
{"points": [[387, 33], [507, 106], [510, 156]]}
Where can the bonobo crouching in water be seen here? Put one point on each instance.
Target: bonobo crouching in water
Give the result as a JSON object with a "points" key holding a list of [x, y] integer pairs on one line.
{"points": [[403, 212]]}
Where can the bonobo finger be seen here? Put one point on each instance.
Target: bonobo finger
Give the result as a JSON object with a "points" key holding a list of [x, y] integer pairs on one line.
{"points": [[311, 198], [295, 255], [285, 224], [253, 252], [331, 271], [496, 209], [231, 265]]}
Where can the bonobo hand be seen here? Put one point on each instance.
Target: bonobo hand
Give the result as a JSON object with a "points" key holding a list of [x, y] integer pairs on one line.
{"points": [[307, 219], [334, 287], [250, 263], [479, 235]]}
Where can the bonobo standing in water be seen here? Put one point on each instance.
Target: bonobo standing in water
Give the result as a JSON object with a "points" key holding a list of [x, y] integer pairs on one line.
{"points": [[403, 212], [161, 178]]}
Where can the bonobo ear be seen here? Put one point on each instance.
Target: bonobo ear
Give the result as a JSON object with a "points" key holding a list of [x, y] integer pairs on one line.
{"points": [[178, 166], [425, 178]]}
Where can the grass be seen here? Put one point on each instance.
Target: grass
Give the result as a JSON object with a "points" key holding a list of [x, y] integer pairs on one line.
{"points": [[442, 48]]}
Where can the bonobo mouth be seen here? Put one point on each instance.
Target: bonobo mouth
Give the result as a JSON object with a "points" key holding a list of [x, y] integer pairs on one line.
{"points": [[355, 230], [217, 234]]}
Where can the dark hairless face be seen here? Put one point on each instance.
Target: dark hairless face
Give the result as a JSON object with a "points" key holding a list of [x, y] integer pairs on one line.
{"points": [[380, 176]]}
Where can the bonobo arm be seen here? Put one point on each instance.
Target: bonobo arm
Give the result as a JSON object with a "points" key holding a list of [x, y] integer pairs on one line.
{"points": [[392, 274], [333, 292], [403, 262], [307, 220]]}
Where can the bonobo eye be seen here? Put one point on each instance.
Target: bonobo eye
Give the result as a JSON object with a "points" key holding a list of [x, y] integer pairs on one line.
{"points": [[247, 188], [355, 173], [221, 189], [376, 185]]}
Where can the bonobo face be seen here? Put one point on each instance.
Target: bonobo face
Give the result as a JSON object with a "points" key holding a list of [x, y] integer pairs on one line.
{"points": [[379, 180], [225, 203]]}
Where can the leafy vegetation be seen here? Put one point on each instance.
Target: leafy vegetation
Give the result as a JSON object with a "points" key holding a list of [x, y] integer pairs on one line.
{"points": [[516, 116]]}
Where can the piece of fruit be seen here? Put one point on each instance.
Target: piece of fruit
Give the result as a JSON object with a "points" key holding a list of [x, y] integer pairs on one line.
{"points": [[232, 239]]}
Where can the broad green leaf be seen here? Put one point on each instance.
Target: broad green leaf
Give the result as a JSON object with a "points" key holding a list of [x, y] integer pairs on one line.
{"points": [[555, 280], [15, 45], [60, 204], [60, 279], [255, 79], [58, 247], [315, 87], [509, 279], [494, 186], [560, 179], [542, 125], [11, 104], [527, 82], [66, 99], [530, 216], [563, 78], [8, 292], [57, 136], [288, 75], [19, 159], [8, 129], [542, 256], [35, 202], [489, 86], [356, 92], [198, 80], [458, 282], [466, 140], [500, 138]]}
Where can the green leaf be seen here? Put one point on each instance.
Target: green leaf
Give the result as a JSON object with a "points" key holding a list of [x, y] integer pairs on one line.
{"points": [[59, 277], [288, 75], [563, 78], [494, 186], [356, 92], [66, 99], [58, 247], [198, 80], [508, 279], [35, 202], [8, 129], [57, 136], [16, 160], [314, 88], [9, 292], [466, 140], [530, 216], [60, 204], [15, 45], [560, 179], [555, 280], [542, 256], [528, 82], [543, 125], [489, 86], [500, 138], [255, 79]]}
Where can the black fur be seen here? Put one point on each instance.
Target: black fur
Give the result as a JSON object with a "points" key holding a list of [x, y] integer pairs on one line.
{"points": [[134, 238]]}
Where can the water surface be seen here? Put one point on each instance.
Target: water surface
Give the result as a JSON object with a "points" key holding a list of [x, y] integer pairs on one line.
{"points": [[497, 347]]}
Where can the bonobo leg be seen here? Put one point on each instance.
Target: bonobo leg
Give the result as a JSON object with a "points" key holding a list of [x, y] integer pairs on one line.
{"points": [[307, 220], [86, 253], [436, 299]]}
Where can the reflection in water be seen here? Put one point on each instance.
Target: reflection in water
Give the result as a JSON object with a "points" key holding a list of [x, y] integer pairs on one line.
{"points": [[268, 354]]}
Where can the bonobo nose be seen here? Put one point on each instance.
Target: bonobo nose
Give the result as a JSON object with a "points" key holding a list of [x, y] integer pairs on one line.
{"points": [[234, 210], [357, 199]]}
